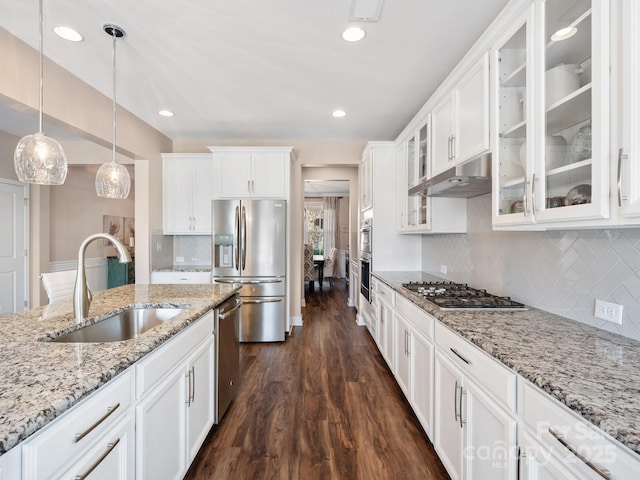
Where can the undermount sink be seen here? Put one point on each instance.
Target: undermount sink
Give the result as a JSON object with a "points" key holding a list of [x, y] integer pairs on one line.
{"points": [[125, 325]]}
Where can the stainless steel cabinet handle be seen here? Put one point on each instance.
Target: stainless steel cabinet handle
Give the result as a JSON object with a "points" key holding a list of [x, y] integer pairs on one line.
{"points": [[621, 156], [249, 187], [603, 472], [455, 352], [455, 401], [266, 300], [533, 193], [193, 385], [86, 474], [187, 375], [408, 343], [462, 422], [226, 313], [110, 410], [525, 200], [453, 147]]}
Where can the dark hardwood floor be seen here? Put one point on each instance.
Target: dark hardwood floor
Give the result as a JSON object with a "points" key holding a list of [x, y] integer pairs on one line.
{"points": [[321, 405]]}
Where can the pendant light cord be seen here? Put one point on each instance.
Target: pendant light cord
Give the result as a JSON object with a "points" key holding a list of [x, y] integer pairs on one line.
{"points": [[114, 34], [40, 102]]}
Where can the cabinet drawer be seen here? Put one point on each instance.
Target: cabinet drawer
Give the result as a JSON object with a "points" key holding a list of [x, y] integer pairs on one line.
{"points": [[419, 319], [181, 277], [495, 378], [386, 293], [562, 431], [69, 436], [156, 366]]}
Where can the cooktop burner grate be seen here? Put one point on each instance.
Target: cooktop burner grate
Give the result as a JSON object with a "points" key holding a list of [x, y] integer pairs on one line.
{"points": [[457, 296]]}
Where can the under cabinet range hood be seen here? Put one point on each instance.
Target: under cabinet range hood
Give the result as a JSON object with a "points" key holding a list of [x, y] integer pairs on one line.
{"points": [[464, 181]]}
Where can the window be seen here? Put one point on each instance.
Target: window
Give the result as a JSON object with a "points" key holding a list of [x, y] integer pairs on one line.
{"points": [[313, 231]]}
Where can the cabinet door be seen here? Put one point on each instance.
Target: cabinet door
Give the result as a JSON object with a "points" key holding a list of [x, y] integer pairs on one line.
{"points": [[112, 457], [512, 72], [442, 135], [490, 447], [177, 196], [160, 430], [572, 167], [471, 94], [235, 174], [202, 182], [366, 180], [269, 175], [385, 330], [628, 168], [200, 397], [421, 380], [401, 187], [448, 429], [402, 353]]}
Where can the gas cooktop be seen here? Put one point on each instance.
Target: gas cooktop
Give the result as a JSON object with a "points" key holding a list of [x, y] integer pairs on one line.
{"points": [[457, 296]]}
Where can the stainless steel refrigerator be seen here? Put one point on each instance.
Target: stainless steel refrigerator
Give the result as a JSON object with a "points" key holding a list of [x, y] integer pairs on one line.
{"points": [[249, 248]]}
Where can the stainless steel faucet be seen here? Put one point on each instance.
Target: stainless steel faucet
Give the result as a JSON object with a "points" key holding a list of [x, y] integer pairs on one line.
{"points": [[81, 293]]}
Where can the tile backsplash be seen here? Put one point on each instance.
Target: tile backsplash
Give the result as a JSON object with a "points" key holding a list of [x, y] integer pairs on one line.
{"points": [[192, 249], [561, 271]]}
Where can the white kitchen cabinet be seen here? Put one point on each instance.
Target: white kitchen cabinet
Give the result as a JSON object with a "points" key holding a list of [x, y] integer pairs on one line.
{"points": [[172, 417], [421, 353], [80, 431], [569, 439], [260, 172], [10, 464], [402, 353], [110, 459], [460, 120], [537, 463], [186, 278], [551, 142], [385, 323], [200, 397], [474, 437], [366, 180], [627, 173], [187, 191]]}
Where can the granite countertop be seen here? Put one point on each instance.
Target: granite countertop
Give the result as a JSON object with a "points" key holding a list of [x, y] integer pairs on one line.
{"points": [[183, 268], [40, 380], [591, 371]]}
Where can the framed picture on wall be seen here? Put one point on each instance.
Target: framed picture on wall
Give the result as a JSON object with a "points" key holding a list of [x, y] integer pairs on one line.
{"points": [[113, 225]]}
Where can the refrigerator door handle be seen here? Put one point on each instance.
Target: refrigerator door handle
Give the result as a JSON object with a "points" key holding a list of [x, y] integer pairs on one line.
{"points": [[237, 232], [244, 238]]}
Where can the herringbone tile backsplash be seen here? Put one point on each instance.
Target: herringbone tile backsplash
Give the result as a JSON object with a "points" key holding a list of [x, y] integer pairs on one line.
{"points": [[562, 272]]}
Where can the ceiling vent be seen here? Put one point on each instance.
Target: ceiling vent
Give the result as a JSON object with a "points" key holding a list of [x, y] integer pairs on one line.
{"points": [[365, 10]]}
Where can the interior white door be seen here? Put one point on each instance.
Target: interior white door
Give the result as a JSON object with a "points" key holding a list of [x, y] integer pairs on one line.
{"points": [[13, 247]]}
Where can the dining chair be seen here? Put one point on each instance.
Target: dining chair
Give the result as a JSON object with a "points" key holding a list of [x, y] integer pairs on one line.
{"points": [[331, 268]]}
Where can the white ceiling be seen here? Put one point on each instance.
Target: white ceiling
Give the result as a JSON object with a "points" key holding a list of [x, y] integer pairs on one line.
{"points": [[261, 69]]}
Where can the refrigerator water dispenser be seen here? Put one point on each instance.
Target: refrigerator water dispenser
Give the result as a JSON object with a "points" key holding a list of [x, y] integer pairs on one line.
{"points": [[223, 246]]}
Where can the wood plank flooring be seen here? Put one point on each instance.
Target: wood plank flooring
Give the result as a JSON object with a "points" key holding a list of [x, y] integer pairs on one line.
{"points": [[321, 405]]}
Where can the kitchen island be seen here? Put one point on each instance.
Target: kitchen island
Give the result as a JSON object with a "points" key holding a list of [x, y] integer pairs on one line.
{"points": [[594, 373], [40, 379]]}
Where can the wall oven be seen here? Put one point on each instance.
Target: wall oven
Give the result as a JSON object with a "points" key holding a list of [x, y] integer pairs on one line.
{"points": [[365, 276], [365, 236]]}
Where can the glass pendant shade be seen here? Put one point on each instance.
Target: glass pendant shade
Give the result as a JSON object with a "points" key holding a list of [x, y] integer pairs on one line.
{"points": [[113, 181], [40, 160]]}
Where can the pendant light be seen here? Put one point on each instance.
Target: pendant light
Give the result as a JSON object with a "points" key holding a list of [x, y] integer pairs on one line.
{"points": [[39, 159], [112, 179]]}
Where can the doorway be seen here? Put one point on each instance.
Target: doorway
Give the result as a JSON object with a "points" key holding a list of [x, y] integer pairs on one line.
{"points": [[14, 260]]}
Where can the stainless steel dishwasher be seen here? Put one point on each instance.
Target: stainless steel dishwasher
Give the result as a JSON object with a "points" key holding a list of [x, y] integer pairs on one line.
{"points": [[227, 368]]}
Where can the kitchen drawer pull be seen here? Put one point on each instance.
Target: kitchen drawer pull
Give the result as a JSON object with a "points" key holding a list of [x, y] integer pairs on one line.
{"points": [[603, 472], [226, 313], [265, 300], [455, 352], [110, 410], [86, 474]]}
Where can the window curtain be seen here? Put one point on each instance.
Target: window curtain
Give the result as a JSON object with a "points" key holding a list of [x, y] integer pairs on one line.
{"points": [[330, 223]]}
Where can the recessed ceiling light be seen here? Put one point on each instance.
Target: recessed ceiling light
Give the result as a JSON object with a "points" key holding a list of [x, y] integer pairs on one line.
{"points": [[339, 113], [564, 33], [166, 113], [67, 33], [353, 34]]}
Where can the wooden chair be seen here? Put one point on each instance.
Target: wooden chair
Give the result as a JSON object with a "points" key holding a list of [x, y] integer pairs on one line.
{"points": [[59, 285]]}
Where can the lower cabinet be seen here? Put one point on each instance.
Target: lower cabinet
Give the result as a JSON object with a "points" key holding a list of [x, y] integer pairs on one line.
{"points": [[474, 437], [537, 463], [385, 330], [200, 398]]}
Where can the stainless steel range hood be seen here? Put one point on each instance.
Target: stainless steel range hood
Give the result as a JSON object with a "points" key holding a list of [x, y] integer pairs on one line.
{"points": [[464, 181]]}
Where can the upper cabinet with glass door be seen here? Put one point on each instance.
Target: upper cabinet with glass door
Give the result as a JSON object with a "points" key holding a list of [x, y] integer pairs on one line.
{"points": [[551, 151], [417, 160]]}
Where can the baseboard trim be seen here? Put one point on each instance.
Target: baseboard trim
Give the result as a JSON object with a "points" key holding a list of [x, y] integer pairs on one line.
{"points": [[296, 321], [360, 320]]}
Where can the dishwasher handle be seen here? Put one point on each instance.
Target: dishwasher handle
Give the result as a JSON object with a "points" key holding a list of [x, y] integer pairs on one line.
{"points": [[227, 313]]}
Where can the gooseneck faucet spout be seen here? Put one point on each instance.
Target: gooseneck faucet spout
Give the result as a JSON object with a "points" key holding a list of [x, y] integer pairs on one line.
{"points": [[81, 293]]}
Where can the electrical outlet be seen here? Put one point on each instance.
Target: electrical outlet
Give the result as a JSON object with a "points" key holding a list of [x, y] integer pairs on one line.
{"points": [[611, 312], [179, 259], [443, 269]]}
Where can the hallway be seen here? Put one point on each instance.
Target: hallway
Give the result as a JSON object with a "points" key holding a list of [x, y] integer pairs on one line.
{"points": [[323, 405]]}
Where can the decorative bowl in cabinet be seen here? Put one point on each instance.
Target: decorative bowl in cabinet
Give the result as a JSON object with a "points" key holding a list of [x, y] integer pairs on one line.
{"points": [[579, 195], [560, 81]]}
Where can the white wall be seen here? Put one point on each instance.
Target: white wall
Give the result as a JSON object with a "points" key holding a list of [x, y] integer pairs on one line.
{"points": [[562, 272]]}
